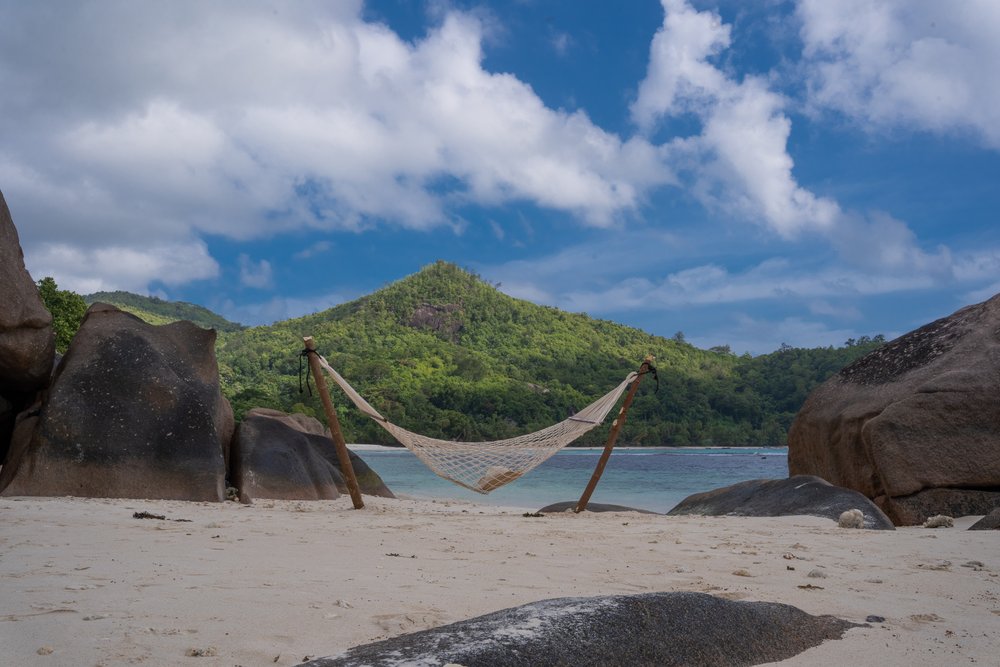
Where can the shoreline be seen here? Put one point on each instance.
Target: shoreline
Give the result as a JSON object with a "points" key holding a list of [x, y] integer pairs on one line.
{"points": [[274, 582], [362, 447]]}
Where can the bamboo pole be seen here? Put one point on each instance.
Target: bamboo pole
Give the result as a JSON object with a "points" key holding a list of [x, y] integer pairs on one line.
{"points": [[612, 437], [331, 418]]}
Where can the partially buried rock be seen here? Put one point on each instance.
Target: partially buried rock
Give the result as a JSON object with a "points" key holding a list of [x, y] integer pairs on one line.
{"points": [[802, 494], [134, 411], [288, 457], [989, 522], [570, 505], [915, 424], [651, 629]]}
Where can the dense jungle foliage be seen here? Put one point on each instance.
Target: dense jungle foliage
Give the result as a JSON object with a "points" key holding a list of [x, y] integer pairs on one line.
{"points": [[67, 308], [446, 354]]}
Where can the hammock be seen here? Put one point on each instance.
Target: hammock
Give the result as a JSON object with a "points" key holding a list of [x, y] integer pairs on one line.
{"points": [[485, 466]]}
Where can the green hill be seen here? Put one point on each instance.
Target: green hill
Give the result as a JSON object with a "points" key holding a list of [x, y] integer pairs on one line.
{"points": [[444, 353], [157, 311]]}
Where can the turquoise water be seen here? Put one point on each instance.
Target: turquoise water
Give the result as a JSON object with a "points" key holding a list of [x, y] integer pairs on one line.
{"points": [[647, 478]]}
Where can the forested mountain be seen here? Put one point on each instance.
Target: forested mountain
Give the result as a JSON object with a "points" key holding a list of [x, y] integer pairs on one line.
{"points": [[157, 311], [444, 353]]}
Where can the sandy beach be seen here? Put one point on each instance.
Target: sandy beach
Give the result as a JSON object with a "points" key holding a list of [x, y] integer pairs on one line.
{"points": [[82, 582]]}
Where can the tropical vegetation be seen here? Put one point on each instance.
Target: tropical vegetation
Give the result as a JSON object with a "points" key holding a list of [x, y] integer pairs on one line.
{"points": [[446, 354]]}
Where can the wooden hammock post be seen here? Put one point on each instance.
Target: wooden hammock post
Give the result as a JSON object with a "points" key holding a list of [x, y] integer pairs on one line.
{"points": [[331, 418], [612, 436]]}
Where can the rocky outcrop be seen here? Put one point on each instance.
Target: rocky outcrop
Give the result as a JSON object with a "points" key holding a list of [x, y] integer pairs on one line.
{"points": [[27, 341], [989, 522], [802, 494], [652, 629], [133, 411], [914, 425], [289, 457]]}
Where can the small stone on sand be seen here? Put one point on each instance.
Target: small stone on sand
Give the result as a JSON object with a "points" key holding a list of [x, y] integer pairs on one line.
{"points": [[939, 521]]}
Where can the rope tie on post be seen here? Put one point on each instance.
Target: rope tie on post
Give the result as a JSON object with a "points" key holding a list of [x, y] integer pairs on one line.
{"points": [[304, 354], [650, 368]]}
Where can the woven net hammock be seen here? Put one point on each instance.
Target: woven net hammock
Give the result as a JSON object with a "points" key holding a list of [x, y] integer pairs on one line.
{"points": [[485, 466]]}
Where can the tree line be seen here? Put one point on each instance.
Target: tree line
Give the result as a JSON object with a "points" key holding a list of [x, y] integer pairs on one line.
{"points": [[445, 354]]}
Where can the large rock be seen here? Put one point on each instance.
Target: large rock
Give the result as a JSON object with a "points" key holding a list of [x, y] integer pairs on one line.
{"points": [[27, 340], [659, 629], [802, 494], [134, 411], [914, 425], [289, 457]]}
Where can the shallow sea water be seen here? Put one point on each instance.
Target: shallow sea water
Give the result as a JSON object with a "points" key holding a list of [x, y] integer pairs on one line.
{"points": [[647, 478]]}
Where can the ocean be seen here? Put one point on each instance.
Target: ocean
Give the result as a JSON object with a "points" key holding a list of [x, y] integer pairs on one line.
{"points": [[651, 478]]}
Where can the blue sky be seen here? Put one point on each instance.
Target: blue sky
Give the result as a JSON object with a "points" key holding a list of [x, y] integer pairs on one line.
{"points": [[749, 173]]}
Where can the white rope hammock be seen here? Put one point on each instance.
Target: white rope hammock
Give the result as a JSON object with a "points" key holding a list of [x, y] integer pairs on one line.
{"points": [[484, 466]]}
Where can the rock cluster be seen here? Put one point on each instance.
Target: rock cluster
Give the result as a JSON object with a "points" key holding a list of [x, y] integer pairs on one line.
{"points": [[133, 411], [914, 425]]}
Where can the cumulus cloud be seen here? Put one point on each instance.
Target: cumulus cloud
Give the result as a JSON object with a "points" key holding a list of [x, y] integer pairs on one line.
{"points": [[918, 64], [293, 116], [279, 308], [317, 248], [827, 289], [116, 267], [757, 335], [739, 162], [883, 244], [255, 274]]}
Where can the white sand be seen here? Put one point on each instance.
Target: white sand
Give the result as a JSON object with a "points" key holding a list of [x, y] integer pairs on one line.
{"points": [[278, 581]]}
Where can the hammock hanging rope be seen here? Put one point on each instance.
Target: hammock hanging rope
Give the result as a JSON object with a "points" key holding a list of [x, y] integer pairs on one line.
{"points": [[485, 466]]}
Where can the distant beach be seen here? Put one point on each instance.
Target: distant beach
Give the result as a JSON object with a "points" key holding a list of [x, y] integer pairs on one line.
{"points": [[82, 582]]}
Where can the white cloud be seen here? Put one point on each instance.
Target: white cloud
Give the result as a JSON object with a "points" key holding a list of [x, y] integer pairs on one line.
{"points": [[294, 116], [561, 43], [317, 248], [583, 279], [279, 308], [116, 267], [921, 64], [757, 335], [497, 230], [982, 294], [255, 274], [840, 312], [739, 163], [882, 244], [979, 267]]}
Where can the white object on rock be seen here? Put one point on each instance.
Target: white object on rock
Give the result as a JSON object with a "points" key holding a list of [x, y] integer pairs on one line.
{"points": [[852, 519], [939, 521]]}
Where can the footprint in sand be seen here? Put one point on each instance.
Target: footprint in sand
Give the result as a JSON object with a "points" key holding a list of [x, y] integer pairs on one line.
{"points": [[926, 618]]}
